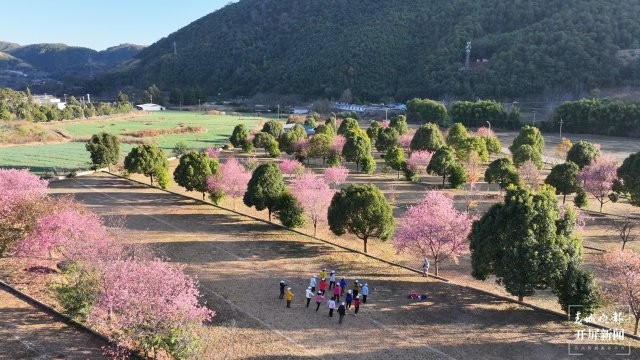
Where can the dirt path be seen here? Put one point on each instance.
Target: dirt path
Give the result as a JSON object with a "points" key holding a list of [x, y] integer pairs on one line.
{"points": [[239, 263], [28, 333]]}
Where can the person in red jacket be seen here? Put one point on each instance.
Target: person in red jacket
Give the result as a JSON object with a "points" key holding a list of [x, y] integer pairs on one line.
{"points": [[356, 305], [323, 285]]}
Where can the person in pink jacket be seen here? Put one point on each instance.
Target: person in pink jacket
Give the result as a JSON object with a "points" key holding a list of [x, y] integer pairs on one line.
{"points": [[337, 290], [319, 299]]}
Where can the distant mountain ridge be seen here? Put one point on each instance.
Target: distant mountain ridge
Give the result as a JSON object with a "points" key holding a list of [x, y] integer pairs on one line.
{"points": [[395, 49], [37, 64]]}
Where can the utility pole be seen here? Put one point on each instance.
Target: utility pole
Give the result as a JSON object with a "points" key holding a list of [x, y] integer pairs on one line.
{"points": [[385, 115], [560, 129], [534, 118], [278, 111], [468, 51]]}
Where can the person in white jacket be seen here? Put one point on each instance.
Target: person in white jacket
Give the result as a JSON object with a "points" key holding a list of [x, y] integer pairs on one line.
{"points": [[332, 306], [309, 295], [332, 279], [365, 292], [312, 283]]}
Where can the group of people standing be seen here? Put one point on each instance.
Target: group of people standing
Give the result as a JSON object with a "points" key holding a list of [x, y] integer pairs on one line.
{"points": [[354, 296]]}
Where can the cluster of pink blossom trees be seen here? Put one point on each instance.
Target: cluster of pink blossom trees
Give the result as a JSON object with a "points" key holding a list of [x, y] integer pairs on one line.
{"points": [[140, 302], [335, 175], [598, 177], [314, 194], [231, 180], [419, 160]]}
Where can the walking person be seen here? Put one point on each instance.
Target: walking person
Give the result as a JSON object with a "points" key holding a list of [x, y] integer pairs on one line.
{"points": [[348, 299], [341, 311], [332, 305], [289, 297], [356, 288], [356, 305], [332, 279], [312, 283], [309, 295], [425, 267], [343, 284], [283, 285], [365, 293], [323, 285], [337, 290], [319, 299], [323, 273]]}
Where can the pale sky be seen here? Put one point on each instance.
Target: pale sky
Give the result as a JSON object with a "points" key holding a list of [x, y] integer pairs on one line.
{"points": [[98, 24]]}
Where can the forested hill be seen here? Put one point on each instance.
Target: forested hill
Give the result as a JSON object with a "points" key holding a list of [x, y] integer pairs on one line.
{"points": [[396, 48]]}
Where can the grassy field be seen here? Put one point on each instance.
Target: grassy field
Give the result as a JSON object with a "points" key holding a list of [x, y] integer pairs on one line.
{"points": [[41, 158]]}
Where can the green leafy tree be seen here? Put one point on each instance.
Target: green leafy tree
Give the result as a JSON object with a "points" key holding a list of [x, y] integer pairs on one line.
{"points": [[427, 137], [457, 176], [426, 110], [239, 136], [581, 199], [400, 124], [320, 147], [325, 130], [373, 131], [527, 152], [149, 160], [474, 144], [348, 125], [289, 211], [442, 162], [288, 139], [193, 170], [368, 165], [494, 147], [104, 150], [501, 172], [457, 137], [78, 291], [528, 135], [564, 178], [576, 286], [629, 172], [357, 147], [361, 210], [523, 242], [263, 140], [582, 153], [265, 188], [181, 148], [395, 159], [331, 122], [273, 127], [387, 138]]}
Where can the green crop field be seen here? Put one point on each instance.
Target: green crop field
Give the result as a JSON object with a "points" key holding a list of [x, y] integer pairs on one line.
{"points": [[43, 158]]}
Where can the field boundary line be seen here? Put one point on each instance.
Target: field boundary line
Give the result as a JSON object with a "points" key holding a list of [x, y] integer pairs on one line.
{"points": [[445, 280]]}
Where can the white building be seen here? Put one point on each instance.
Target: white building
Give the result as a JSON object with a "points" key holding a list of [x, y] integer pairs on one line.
{"points": [[48, 100], [150, 107]]}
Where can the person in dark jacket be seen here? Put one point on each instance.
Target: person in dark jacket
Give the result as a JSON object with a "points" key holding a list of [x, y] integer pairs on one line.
{"points": [[341, 311], [283, 285]]}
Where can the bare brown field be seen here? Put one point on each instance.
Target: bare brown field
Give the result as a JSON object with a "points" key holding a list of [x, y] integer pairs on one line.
{"points": [[28, 333], [240, 261]]}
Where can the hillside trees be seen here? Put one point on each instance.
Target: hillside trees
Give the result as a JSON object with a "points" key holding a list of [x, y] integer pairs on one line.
{"points": [[104, 150], [363, 211]]}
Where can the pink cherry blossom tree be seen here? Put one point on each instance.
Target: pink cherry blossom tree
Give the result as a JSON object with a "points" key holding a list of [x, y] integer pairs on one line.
{"points": [[434, 228], [213, 152], [141, 302], [404, 141], [18, 186], [335, 175], [623, 267], [529, 174], [232, 180], [485, 132], [314, 195], [385, 123], [338, 143], [597, 178], [301, 148], [419, 160], [70, 234], [290, 167]]}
